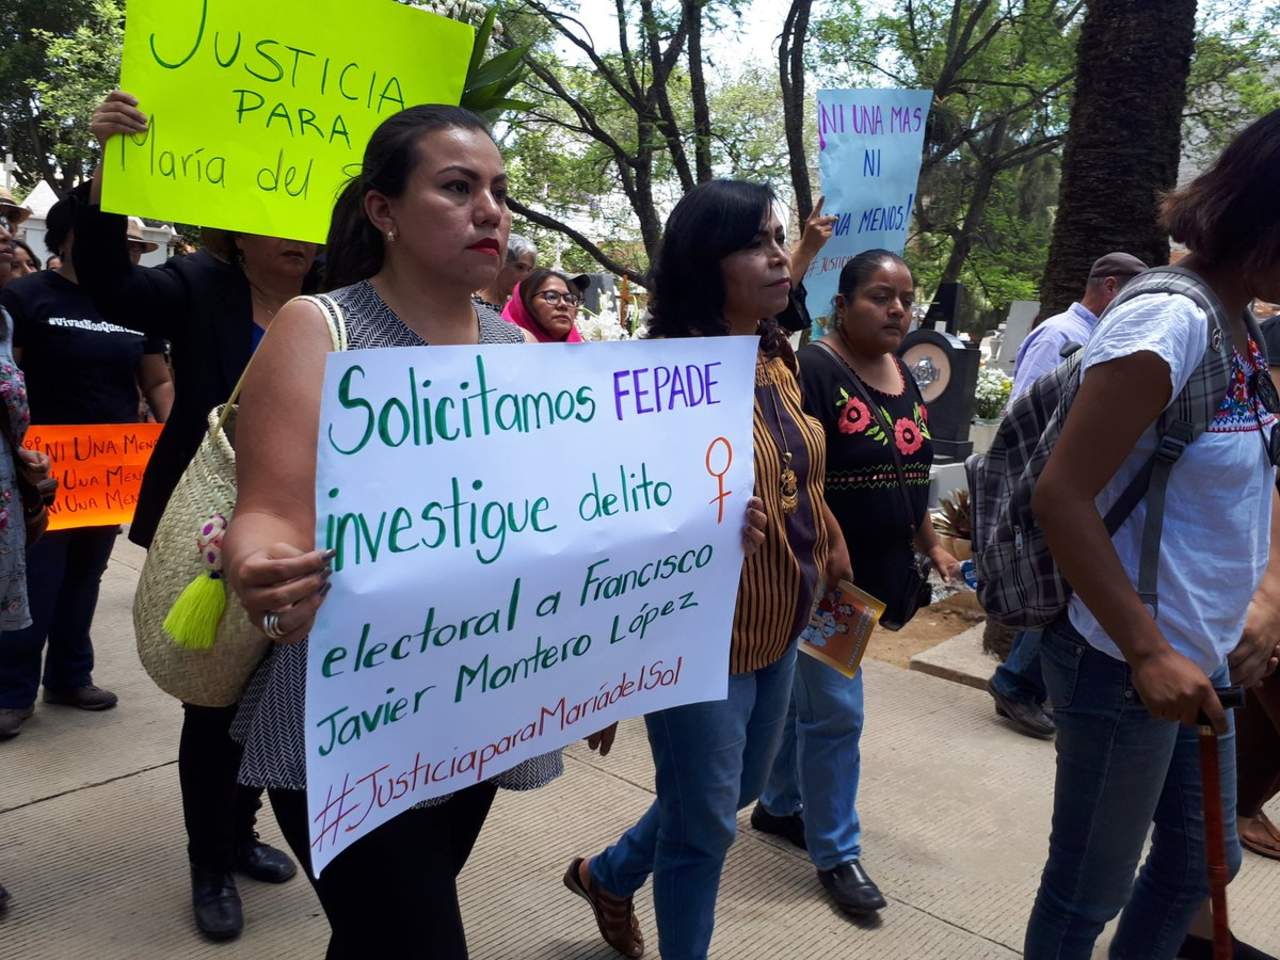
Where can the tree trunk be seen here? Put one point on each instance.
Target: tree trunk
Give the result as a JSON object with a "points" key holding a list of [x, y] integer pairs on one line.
{"points": [[698, 92], [791, 75], [988, 167], [1124, 141]]}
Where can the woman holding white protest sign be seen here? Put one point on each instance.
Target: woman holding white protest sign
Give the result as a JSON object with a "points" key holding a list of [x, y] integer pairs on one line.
{"points": [[423, 225], [213, 307], [723, 270]]}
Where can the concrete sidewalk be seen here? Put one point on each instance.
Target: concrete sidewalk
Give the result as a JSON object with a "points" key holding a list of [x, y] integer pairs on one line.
{"points": [[955, 810]]}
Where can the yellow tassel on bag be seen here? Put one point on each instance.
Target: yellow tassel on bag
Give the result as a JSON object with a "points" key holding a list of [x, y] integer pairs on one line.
{"points": [[192, 622]]}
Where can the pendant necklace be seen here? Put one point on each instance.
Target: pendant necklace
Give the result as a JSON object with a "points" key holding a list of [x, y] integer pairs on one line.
{"points": [[788, 483]]}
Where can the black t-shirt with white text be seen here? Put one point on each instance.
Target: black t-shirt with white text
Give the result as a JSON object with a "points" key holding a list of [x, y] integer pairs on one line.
{"points": [[79, 368]]}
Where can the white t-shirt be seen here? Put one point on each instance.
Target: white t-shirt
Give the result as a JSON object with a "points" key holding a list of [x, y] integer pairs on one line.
{"points": [[1217, 520]]}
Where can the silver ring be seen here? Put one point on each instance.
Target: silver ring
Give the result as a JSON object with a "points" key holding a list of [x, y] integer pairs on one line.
{"points": [[271, 625]]}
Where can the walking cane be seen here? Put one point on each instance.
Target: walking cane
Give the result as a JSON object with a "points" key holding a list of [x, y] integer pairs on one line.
{"points": [[1214, 836]]}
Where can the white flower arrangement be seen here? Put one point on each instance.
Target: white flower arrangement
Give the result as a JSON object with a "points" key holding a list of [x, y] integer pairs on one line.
{"points": [[992, 394], [601, 326]]}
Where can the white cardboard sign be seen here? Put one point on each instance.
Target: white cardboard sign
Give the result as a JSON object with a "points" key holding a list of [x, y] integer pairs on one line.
{"points": [[532, 543]]}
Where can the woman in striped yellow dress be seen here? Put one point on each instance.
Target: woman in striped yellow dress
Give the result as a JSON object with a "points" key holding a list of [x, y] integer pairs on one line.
{"points": [[723, 270]]}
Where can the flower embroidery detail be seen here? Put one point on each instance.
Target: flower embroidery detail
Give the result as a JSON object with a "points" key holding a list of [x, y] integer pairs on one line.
{"points": [[907, 436], [855, 417]]}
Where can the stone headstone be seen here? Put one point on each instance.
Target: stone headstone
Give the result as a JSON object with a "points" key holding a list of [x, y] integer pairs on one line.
{"points": [[1022, 314]]}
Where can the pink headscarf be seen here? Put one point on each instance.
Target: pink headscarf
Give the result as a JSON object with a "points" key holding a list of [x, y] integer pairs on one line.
{"points": [[515, 312]]}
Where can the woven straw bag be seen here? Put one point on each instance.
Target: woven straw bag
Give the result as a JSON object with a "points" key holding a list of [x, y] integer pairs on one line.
{"points": [[215, 677]]}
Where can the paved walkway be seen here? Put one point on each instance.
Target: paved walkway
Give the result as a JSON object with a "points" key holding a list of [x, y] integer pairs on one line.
{"points": [[955, 808]]}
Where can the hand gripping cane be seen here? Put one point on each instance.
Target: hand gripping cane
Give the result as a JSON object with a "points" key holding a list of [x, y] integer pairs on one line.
{"points": [[1214, 836]]}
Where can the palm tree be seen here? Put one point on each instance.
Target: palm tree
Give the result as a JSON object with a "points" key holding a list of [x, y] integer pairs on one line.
{"points": [[1124, 140]]}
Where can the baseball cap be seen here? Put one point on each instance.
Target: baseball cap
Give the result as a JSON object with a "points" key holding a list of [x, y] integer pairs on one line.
{"points": [[1116, 265]]}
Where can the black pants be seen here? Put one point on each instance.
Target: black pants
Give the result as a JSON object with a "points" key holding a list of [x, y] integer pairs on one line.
{"points": [[218, 812], [396, 888]]}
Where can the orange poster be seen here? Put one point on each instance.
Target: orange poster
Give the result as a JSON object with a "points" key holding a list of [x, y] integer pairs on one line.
{"points": [[99, 469]]}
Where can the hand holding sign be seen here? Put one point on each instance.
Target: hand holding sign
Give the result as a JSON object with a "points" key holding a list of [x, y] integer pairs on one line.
{"points": [[817, 230], [753, 533], [258, 113], [118, 114], [284, 581]]}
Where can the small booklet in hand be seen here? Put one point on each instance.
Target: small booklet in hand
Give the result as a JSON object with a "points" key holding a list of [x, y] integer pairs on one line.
{"points": [[841, 627]]}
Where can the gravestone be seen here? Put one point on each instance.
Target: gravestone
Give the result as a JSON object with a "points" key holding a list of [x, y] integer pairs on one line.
{"points": [[1022, 314]]}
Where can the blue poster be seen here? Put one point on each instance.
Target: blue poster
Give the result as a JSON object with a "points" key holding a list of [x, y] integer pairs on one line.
{"points": [[869, 147]]}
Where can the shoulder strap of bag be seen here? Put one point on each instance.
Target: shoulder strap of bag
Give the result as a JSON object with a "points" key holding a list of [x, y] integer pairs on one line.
{"points": [[337, 322], [1187, 417], [885, 426]]}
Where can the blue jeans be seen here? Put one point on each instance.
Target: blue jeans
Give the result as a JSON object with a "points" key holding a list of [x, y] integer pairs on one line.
{"points": [[817, 767], [711, 760], [1119, 771], [64, 569], [1020, 677]]}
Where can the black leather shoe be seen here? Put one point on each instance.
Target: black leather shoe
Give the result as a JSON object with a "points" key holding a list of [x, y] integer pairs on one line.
{"points": [[1197, 948], [790, 827], [216, 904], [1026, 718], [853, 891], [263, 863]]}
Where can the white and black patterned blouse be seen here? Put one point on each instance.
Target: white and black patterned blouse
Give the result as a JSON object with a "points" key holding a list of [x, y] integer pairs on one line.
{"points": [[270, 721]]}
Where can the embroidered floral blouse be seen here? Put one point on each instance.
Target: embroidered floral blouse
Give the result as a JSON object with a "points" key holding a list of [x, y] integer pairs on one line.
{"points": [[862, 485]]}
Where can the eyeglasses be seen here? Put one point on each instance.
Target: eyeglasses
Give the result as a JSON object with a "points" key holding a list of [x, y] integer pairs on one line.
{"points": [[554, 297]]}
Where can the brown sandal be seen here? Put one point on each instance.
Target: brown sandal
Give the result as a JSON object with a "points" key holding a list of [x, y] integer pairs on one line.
{"points": [[1270, 850], [615, 916]]}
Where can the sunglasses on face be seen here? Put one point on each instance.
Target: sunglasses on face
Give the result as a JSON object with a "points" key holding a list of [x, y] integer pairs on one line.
{"points": [[554, 297]]}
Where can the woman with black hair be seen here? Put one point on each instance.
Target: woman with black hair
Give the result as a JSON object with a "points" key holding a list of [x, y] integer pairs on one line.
{"points": [[879, 453], [723, 270], [422, 226], [25, 261], [1129, 688], [80, 368], [545, 305], [213, 307]]}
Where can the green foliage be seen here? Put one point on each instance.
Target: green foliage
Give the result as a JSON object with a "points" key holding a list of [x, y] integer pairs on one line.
{"points": [[80, 69], [490, 81], [1235, 74], [23, 26], [986, 59], [985, 62]]}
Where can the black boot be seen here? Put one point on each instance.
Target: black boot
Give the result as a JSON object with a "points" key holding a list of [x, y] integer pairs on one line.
{"points": [[264, 863], [216, 903]]}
